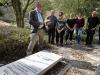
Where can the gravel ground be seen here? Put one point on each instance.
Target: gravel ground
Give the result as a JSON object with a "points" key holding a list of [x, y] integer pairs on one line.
{"points": [[84, 59]]}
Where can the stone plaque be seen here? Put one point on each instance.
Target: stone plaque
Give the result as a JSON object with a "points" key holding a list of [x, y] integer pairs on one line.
{"points": [[35, 64]]}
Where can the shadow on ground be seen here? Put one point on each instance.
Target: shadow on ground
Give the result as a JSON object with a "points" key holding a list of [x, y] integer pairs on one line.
{"points": [[82, 65]]}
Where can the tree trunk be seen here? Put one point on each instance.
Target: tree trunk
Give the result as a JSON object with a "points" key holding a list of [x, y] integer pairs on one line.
{"points": [[18, 13]]}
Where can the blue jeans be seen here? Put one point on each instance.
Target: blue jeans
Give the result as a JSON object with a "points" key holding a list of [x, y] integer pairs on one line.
{"points": [[78, 34]]}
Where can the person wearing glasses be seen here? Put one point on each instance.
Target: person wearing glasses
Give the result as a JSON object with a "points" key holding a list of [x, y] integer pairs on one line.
{"points": [[70, 25], [92, 24], [37, 27], [60, 28]]}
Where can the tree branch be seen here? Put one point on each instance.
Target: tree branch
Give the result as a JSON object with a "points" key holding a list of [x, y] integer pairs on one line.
{"points": [[28, 3], [24, 10], [31, 2]]}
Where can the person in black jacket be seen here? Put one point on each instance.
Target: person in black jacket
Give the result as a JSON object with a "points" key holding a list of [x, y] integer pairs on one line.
{"points": [[37, 27], [92, 24], [51, 27], [70, 26]]}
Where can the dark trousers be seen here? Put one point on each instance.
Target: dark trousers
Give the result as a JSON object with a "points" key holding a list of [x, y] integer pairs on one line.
{"points": [[89, 37], [59, 35], [69, 33], [51, 34]]}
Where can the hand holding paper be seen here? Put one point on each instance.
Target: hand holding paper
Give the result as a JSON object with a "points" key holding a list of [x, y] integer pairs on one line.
{"points": [[46, 21]]}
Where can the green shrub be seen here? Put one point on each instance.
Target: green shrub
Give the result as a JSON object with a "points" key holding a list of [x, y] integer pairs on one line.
{"points": [[13, 41]]}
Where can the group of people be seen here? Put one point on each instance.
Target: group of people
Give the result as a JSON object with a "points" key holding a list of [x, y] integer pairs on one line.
{"points": [[67, 26], [60, 26]]}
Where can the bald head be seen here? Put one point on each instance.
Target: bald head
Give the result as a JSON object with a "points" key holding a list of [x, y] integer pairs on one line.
{"points": [[52, 12], [94, 13]]}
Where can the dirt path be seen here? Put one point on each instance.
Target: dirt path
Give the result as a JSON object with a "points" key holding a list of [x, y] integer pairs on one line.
{"points": [[2, 23], [84, 59]]}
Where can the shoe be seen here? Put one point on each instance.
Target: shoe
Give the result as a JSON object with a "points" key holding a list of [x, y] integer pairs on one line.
{"points": [[99, 43], [28, 53], [61, 45], [71, 43], [66, 43], [86, 44], [90, 45], [52, 42], [57, 44], [78, 42]]}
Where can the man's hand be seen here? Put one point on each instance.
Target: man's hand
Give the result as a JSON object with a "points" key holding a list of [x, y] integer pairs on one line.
{"points": [[42, 23], [59, 31], [71, 29], [93, 29]]}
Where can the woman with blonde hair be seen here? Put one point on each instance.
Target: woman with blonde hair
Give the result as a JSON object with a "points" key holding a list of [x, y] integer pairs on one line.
{"points": [[70, 26]]}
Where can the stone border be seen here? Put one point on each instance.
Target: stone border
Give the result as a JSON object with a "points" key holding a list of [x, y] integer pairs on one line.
{"points": [[65, 69]]}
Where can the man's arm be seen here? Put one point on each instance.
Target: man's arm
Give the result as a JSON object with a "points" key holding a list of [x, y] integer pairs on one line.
{"points": [[33, 20], [96, 25]]}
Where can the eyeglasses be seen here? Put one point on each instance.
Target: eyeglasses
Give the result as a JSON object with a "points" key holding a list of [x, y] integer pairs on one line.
{"points": [[60, 15]]}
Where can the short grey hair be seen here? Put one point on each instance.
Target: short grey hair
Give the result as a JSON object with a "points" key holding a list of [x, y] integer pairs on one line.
{"points": [[94, 12], [37, 3], [72, 13], [52, 10]]}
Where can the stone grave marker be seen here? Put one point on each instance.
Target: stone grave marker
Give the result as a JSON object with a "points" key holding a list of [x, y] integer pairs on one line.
{"points": [[35, 64]]}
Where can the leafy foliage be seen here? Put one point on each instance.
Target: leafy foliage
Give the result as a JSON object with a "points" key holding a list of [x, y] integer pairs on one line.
{"points": [[1, 12], [84, 6], [13, 41]]}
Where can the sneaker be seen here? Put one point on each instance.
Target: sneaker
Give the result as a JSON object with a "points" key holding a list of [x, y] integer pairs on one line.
{"points": [[71, 43], [61, 45], [57, 44], [99, 43], [90, 45], [78, 42], [86, 44], [66, 43], [28, 53]]}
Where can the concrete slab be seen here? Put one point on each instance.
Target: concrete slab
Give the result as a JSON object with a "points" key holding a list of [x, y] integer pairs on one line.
{"points": [[36, 64]]}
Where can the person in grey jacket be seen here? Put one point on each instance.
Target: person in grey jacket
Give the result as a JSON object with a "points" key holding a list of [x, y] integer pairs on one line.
{"points": [[51, 27], [37, 27]]}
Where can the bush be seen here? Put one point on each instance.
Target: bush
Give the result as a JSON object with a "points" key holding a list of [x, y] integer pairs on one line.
{"points": [[1, 12], [13, 41]]}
